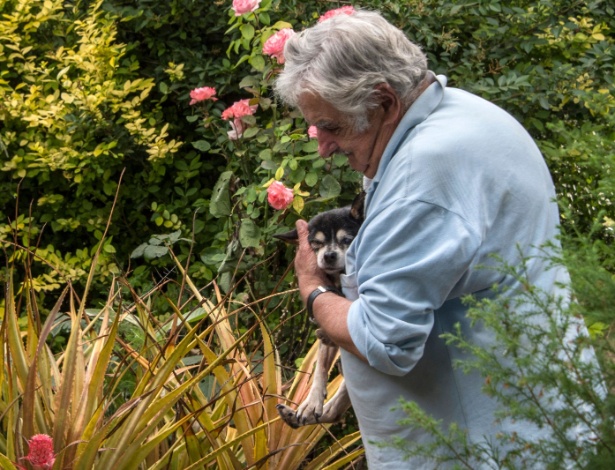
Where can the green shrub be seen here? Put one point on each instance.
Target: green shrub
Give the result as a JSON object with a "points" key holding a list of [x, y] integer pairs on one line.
{"points": [[71, 101]]}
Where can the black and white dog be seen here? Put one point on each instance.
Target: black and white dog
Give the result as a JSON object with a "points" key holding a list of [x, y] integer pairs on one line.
{"points": [[330, 235]]}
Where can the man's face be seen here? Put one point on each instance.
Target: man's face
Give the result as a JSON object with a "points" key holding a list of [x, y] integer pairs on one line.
{"points": [[337, 134]]}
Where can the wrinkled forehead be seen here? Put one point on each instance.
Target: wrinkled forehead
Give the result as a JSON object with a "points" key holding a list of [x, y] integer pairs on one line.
{"points": [[319, 112]]}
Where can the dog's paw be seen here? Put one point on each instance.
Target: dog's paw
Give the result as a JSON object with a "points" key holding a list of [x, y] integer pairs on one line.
{"points": [[310, 410], [289, 416], [306, 414]]}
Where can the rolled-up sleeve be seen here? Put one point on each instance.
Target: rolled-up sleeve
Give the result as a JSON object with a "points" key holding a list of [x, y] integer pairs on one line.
{"points": [[409, 259]]}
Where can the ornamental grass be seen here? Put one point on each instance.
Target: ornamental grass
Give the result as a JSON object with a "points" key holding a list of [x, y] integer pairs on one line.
{"points": [[128, 390]]}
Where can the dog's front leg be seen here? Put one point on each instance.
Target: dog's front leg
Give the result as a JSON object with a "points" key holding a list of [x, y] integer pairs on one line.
{"points": [[313, 404], [335, 408], [311, 409]]}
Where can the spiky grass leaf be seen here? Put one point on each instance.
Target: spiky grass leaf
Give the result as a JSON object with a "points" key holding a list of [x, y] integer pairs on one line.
{"points": [[29, 396], [6, 464]]}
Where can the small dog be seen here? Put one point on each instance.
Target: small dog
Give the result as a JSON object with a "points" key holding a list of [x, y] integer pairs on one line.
{"points": [[330, 235]]}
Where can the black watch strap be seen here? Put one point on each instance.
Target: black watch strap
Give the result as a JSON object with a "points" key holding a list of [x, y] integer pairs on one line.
{"points": [[315, 293]]}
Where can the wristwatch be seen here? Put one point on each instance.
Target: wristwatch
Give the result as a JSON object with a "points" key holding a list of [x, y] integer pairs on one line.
{"points": [[315, 293]]}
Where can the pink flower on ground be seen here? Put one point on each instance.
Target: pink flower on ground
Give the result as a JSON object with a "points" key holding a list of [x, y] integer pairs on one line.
{"points": [[345, 10], [279, 196], [40, 454], [274, 46], [235, 112], [313, 132], [245, 6], [202, 94]]}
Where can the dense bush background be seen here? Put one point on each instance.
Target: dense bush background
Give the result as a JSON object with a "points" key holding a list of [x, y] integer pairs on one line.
{"points": [[95, 116]]}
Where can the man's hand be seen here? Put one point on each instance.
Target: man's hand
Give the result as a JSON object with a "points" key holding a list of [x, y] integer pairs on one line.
{"points": [[309, 275]]}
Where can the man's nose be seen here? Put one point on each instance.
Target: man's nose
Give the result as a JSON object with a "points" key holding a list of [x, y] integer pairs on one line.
{"points": [[326, 146]]}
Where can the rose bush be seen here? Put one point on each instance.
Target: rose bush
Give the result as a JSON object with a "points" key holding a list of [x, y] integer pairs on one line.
{"points": [[266, 142]]}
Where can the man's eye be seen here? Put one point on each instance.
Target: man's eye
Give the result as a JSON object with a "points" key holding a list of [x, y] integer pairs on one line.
{"points": [[331, 128]]}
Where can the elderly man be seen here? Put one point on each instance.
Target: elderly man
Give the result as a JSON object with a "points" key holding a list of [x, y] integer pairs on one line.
{"points": [[451, 181]]}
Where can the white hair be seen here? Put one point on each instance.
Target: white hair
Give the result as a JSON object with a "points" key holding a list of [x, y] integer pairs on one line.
{"points": [[344, 58]]}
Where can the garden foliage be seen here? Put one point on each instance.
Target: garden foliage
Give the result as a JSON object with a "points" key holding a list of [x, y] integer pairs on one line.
{"points": [[94, 99]]}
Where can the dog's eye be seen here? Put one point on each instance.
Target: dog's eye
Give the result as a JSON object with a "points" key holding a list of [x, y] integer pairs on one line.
{"points": [[346, 240], [316, 244]]}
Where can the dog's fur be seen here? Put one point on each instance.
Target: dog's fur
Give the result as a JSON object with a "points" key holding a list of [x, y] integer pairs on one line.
{"points": [[330, 234]]}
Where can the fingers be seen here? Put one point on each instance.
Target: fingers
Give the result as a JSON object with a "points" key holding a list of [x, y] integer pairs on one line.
{"points": [[302, 231]]}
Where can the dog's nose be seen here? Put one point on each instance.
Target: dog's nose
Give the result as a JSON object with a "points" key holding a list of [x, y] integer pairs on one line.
{"points": [[330, 256]]}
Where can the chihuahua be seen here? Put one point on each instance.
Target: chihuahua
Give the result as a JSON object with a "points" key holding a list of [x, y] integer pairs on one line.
{"points": [[329, 234]]}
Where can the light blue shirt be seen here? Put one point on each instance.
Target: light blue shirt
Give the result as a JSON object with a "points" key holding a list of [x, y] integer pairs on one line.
{"points": [[459, 182]]}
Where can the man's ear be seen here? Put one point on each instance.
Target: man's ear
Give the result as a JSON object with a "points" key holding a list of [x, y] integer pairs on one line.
{"points": [[288, 237], [390, 101]]}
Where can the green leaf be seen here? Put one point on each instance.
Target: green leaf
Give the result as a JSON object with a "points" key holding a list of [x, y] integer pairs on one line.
{"points": [[138, 251], [282, 25], [152, 252], [264, 18], [311, 179], [250, 132], [330, 187], [265, 154], [201, 145], [249, 234], [247, 31], [310, 147], [109, 187], [249, 81], [258, 62], [220, 204]]}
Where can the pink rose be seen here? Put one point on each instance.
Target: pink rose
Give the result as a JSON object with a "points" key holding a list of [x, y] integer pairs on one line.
{"points": [[239, 109], [313, 132], [40, 453], [345, 10], [245, 6], [274, 46], [202, 94], [279, 196], [234, 114]]}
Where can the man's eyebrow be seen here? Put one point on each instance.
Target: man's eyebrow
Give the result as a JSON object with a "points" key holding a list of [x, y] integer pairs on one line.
{"points": [[325, 123]]}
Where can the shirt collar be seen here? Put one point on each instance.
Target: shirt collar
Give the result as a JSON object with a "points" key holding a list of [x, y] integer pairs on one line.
{"points": [[417, 113]]}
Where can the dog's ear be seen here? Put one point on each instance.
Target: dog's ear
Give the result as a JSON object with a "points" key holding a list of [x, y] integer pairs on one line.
{"points": [[288, 237], [357, 209]]}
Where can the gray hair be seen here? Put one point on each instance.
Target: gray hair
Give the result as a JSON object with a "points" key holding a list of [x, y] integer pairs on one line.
{"points": [[342, 60]]}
